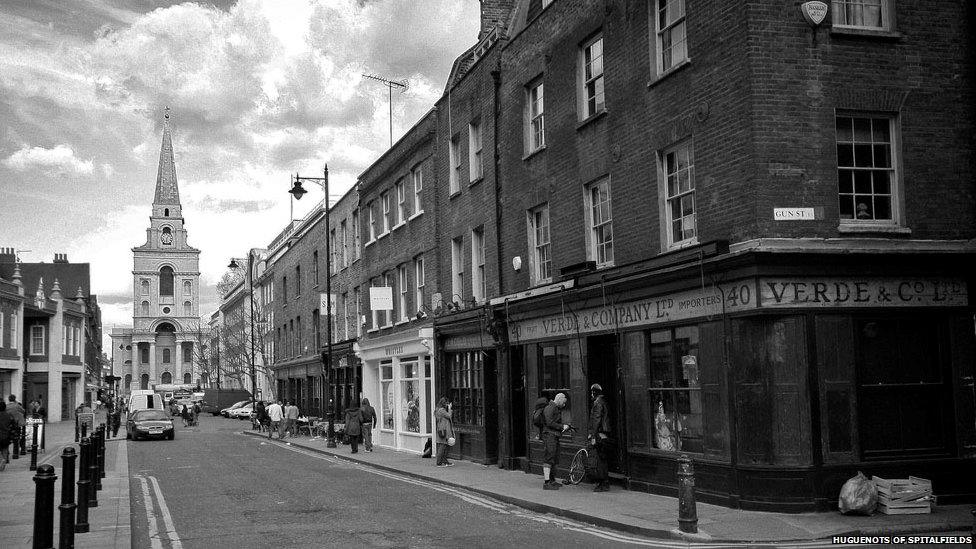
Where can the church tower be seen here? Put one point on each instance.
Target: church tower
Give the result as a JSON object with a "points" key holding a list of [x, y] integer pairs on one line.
{"points": [[165, 336]]}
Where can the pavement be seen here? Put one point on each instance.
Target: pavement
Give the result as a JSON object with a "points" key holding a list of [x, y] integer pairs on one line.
{"points": [[642, 513], [108, 522]]}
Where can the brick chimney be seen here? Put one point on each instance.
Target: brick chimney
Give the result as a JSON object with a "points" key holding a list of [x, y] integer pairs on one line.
{"points": [[495, 13], [8, 255], [60, 258]]}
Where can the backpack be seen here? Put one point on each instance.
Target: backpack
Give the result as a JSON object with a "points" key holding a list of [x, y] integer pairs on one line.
{"points": [[539, 418]]}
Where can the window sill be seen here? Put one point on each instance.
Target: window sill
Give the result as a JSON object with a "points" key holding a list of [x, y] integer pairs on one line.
{"points": [[533, 153], [854, 32], [369, 243], [591, 119], [383, 234], [415, 216], [385, 327], [398, 225], [372, 330], [542, 282], [454, 194], [682, 244], [607, 265], [668, 73], [474, 182], [844, 228], [402, 322]]}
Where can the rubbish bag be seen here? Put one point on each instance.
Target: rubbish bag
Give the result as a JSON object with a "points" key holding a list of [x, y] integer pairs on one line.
{"points": [[858, 496]]}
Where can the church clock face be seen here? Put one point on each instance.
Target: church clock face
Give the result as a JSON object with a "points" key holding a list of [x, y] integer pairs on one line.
{"points": [[166, 238]]}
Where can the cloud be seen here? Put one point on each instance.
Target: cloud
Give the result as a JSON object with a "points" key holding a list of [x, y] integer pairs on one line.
{"points": [[61, 159]]}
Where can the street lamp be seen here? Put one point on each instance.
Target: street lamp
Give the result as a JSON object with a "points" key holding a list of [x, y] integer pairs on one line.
{"points": [[250, 280], [298, 192]]}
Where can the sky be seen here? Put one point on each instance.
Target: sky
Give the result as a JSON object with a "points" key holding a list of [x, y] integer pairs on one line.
{"points": [[258, 90]]}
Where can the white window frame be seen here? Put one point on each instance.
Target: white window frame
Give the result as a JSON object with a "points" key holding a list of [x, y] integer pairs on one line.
{"points": [[345, 315], [77, 329], [535, 116], [355, 235], [34, 351], [594, 225], [476, 168], [841, 18], [591, 74], [372, 222], [540, 269], [454, 158], [2, 333], [344, 238], [401, 214], [404, 291], [674, 29], [478, 284], [457, 268], [391, 282], [385, 201], [14, 343], [357, 321], [333, 253], [893, 170], [419, 281], [671, 173], [418, 187]]}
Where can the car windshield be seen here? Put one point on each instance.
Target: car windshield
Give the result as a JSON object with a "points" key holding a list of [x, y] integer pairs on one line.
{"points": [[150, 415]]}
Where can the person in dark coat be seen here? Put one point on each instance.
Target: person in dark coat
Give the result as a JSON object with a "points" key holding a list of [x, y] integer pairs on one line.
{"points": [[550, 437], [443, 417], [599, 433], [354, 425], [8, 430], [185, 414], [261, 416], [369, 421]]}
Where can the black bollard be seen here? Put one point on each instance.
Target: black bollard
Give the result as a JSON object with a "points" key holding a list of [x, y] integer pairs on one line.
{"points": [[687, 510], [44, 436], [84, 430], [44, 507], [81, 525], [33, 449], [101, 453], [76, 428], [23, 441], [92, 474], [97, 451], [67, 537]]}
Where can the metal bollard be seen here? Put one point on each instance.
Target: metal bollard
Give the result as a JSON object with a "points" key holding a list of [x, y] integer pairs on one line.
{"points": [[76, 428], [66, 539], [97, 451], [33, 449], [81, 524], [92, 474], [84, 430], [44, 507], [101, 462], [687, 510]]}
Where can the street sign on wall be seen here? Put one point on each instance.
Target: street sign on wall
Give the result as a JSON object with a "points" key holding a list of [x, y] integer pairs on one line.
{"points": [[327, 303]]}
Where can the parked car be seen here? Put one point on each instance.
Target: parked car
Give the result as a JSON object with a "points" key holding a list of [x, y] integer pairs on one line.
{"points": [[219, 399], [149, 423], [226, 411], [242, 412]]}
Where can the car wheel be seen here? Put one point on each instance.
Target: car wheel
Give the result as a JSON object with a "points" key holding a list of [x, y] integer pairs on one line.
{"points": [[171, 436]]}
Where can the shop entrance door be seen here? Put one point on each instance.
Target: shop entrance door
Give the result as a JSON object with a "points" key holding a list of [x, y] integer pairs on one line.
{"points": [[602, 368], [519, 418]]}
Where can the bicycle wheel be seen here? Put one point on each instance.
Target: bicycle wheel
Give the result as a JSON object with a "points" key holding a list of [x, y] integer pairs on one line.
{"points": [[577, 469]]}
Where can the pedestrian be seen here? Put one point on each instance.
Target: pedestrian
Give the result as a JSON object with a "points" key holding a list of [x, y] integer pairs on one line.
{"points": [[369, 421], [194, 411], [116, 419], [275, 415], [261, 416], [17, 412], [599, 433], [8, 432], [34, 408], [445, 431], [354, 425], [291, 418], [554, 428]]}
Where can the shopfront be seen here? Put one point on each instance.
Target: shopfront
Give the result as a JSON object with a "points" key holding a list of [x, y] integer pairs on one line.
{"points": [[300, 381], [398, 380], [779, 386]]}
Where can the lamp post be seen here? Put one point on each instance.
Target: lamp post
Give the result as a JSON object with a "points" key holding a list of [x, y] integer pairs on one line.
{"points": [[298, 192], [250, 284]]}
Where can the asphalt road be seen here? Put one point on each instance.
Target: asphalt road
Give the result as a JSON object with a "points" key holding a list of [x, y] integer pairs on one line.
{"points": [[221, 489]]}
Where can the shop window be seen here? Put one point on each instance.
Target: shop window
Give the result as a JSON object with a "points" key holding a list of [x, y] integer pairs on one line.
{"points": [[387, 389], [410, 395], [467, 387], [554, 369], [428, 394], [675, 390]]}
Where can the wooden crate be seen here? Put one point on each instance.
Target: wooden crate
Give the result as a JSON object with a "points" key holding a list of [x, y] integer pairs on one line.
{"points": [[904, 496]]}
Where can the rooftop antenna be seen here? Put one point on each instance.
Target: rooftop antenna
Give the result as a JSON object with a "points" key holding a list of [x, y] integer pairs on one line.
{"points": [[390, 84]]}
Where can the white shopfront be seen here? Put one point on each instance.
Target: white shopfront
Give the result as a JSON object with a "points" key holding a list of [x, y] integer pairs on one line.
{"points": [[398, 380]]}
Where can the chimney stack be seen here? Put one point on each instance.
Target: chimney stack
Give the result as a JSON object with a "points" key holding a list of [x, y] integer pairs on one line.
{"points": [[60, 258]]}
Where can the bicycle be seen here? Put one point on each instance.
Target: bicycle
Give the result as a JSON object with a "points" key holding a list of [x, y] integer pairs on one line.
{"points": [[577, 467]]}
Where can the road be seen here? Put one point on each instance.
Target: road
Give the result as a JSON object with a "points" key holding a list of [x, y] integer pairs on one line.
{"points": [[213, 488]]}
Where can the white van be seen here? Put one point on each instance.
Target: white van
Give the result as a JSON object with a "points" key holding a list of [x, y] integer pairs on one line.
{"points": [[145, 400]]}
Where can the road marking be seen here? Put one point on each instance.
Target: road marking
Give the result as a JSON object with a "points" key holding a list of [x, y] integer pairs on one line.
{"points": [[167, 517], [150, 516]]}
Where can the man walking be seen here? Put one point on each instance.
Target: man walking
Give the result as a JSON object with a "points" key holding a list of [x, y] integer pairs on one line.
{"points": [[291, 418], [599, 432], [369, 420], [275, 415], [17, 412], [554, 428]]}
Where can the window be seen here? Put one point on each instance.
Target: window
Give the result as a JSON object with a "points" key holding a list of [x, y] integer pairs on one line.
{"points": [[404, 291], [675, 391], [862, 14], [144, 382], [372, 222], [77, 340], [187, 378], [467, 387], [375, 313], [401, 211], [66, 339], [144, 284], [166, 281], [454, 151], [166, 378], [554, 369], [344, 244], [592, 77], [867, 180], [678, 171], [418, 268], [315, 267], [418, 187], [535, 117], [385, 197], [144, 308], [475, 167], [333, 253], [1, 328], [671, 41], [187, 287], [187, 308], [457, 270], [187, 354], [388, 398], [390, 283], [38, 345], [299, 336], [355, 235], [316, 329], [410, 394], [284, 290], [540, 262], [166, 356], [14, 342], [357, 320], [478, 283], [345, 315], [298, 280], [144, 355], [600, 222]]}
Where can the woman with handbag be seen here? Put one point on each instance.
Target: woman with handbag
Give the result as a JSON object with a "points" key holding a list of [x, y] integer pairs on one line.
{"points": [[354, 424], [445, 431]]}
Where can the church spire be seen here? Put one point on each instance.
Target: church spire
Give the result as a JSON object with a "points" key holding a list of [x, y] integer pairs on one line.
{"points": [[167, 191]]}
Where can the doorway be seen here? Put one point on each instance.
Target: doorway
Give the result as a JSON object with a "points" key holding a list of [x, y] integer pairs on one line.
{"points": [[603, 368], [519, 419]]}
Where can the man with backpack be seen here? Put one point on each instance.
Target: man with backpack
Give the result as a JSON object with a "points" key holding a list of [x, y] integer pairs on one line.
{"points": [[538, 419], [554, 428]]}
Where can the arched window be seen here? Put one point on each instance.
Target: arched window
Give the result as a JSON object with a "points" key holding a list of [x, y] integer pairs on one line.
{"points": [[166, 212], [187, 353], [187, 308], [144, 355], [167, 378], [186, 378], [145, 287], [144, 382], [187, 287], [128, 381], [166, 281], [166, 356], [144, 309]]}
